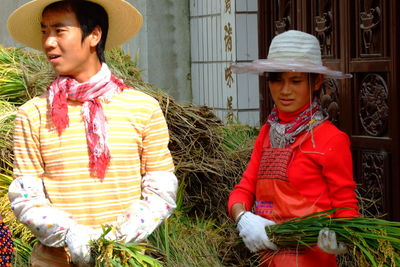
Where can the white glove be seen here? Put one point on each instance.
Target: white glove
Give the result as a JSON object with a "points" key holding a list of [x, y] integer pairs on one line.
{"points": [[252, 230], [77, 240], [327, 242]]}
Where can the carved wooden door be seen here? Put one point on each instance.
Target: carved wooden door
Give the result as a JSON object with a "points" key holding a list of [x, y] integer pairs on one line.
{"points": [[359, 37]]}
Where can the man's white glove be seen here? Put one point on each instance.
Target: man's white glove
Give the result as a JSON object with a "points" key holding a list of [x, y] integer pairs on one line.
{"points": [[252, 230], [327, 242], [77, 240]]}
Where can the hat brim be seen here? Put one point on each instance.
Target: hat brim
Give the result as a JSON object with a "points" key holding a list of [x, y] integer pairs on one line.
{"points": [[272, 65], [124, 22]]}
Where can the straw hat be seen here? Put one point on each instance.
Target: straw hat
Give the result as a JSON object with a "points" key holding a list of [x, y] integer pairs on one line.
{"points": [[123, 18], [293, 51]]}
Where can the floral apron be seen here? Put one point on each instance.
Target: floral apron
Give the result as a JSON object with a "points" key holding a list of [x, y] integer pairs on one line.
{"points": [[278, 200]]}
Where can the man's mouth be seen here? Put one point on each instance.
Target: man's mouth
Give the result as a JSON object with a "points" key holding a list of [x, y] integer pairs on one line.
{"points": [[53, 58]]}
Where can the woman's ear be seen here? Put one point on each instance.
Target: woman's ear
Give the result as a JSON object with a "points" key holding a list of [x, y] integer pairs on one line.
{"points": [[318, 82], [95, 36]]}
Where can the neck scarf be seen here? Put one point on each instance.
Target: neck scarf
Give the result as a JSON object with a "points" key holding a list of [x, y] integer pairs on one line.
{"points": [[284, 134], [104, 85]]}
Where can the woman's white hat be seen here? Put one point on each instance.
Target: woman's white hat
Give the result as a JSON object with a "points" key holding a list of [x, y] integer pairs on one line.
{"points": [[291, 51], [123, 18]]}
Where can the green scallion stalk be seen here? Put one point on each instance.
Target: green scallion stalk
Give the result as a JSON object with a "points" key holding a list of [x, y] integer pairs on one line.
{"points": [[372, 241], [110, 253]]}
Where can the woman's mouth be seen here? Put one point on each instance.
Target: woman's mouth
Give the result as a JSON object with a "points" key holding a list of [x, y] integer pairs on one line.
{"points": [[285, 101]]}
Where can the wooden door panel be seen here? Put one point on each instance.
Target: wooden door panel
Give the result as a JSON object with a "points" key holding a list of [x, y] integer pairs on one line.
{"points": [[371, 65]]}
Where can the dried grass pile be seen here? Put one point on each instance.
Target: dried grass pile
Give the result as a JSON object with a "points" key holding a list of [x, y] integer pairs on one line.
{"points": [[209, 156], [204, 161], [208, 161]]}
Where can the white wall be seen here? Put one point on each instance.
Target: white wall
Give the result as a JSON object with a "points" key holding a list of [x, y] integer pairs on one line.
{"points": [[247, 51], [231, 96], [163, 44]]}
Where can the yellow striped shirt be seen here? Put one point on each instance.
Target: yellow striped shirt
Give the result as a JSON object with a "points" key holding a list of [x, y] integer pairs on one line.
{"points": [[138, 141]]}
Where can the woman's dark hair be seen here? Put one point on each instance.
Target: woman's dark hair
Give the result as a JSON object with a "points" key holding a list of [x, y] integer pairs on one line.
{"points": [[89, 15]]}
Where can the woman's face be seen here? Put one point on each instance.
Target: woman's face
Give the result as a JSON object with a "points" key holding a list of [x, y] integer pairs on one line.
{"points": [[291, 90]]}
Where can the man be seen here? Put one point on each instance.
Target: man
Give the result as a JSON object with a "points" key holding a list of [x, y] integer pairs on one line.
{"points": [[91, 151]]}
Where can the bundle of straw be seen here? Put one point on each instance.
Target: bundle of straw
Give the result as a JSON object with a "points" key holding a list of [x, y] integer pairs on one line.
{"points": [[109, 253], [202, 158], [373, 242]]}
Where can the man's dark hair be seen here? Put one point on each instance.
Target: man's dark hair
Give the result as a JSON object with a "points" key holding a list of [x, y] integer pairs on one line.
{"points": [[89, 15]]}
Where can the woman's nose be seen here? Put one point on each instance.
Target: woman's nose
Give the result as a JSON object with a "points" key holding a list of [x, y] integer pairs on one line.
{"points": [[285, 89]]}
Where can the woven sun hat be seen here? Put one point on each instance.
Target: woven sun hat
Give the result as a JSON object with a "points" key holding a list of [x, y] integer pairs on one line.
{"points": [[124, 22], [291, 51]]}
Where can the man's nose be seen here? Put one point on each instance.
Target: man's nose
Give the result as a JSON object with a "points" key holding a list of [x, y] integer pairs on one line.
{"points": [[49, 42]]}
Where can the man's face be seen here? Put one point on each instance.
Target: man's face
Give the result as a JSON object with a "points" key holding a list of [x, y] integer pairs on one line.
{"points": [[62, 43]]}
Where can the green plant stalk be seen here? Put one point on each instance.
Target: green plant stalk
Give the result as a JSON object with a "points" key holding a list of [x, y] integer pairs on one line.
{"points": [[376, 240], [111, 253]]}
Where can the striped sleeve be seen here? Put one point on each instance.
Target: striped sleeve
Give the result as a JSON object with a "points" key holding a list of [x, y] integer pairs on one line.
{"points": [[28, 160], [159, 184], [155, 154], [26, 192]]}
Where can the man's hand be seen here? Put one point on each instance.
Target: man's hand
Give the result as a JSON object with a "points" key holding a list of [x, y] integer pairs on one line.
{"points": [[252, 230], [77, 240], [327, 242]]}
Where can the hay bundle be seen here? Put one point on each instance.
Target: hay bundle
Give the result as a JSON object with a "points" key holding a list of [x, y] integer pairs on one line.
{"points": [[209, 156], [204, 162], [207, 160]]}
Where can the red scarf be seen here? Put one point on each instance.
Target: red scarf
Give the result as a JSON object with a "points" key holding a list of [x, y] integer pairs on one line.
{"points": [[294, 120], [103, 84], [284, 133]]}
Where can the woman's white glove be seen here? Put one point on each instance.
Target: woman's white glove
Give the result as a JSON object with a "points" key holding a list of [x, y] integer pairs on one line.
{"points": [[327, 242], [252, 230]]}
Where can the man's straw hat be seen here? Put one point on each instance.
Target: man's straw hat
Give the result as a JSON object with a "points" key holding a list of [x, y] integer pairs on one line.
{"points": [[123, 18], [291, 51]]}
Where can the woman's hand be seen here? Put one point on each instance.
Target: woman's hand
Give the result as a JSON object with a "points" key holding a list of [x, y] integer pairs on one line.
{"points": [[252, 230], [327, 242]]}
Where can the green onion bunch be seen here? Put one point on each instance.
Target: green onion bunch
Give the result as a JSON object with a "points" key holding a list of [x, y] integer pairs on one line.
{"points": [[373, 242], [110, 253]]}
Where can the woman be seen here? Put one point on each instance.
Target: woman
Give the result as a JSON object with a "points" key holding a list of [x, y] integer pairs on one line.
{"points": [[301, 163]]}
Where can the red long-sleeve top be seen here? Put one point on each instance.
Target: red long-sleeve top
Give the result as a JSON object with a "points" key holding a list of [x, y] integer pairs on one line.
{"points": [[322, 173]]}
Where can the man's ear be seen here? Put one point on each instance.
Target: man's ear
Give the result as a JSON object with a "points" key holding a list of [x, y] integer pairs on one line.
{"points": [[318, 82], [95, 36]]}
